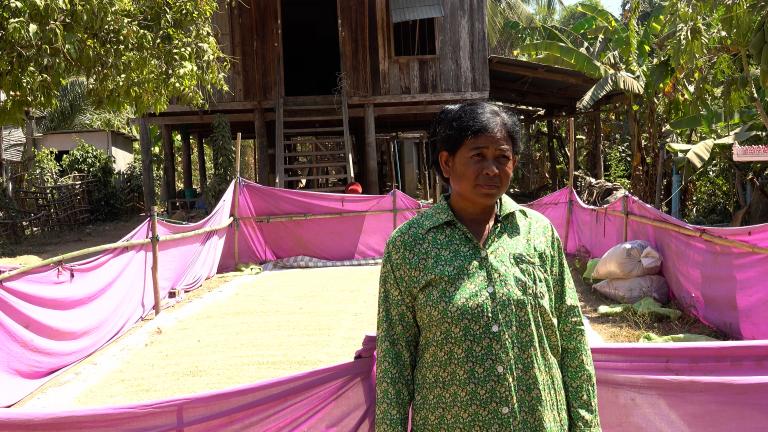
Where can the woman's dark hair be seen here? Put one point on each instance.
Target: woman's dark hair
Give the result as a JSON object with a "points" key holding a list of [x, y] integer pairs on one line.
{"points": [[455, 124]]}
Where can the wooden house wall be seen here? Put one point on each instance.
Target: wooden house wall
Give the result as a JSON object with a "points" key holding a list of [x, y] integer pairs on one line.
{"points": [[248, 31], [461, 63], [353, 15]]}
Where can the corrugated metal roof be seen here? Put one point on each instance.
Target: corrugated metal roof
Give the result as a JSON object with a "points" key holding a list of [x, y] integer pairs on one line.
{"points": [[13, 143], [408, 10]]}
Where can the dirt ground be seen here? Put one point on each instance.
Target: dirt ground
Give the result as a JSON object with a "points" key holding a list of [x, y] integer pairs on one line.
{"points": [[239, 329]]}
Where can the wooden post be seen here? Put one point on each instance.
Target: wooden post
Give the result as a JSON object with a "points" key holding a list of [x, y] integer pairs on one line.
{"points": [[261, 148], [597, 147], [552, 153], [571, 151], [169, 164], [237, 197], [155, 256], [201, 170], [394, 209], [625, 211], [371, 163], [147, 174], [2, 153], [186, 163]]}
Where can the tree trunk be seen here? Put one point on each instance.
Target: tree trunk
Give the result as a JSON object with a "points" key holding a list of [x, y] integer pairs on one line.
{"points": [[147, 174]]}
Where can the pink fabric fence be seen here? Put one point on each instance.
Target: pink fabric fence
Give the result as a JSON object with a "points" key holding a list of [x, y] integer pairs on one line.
{"points": [[333, 239], [723, 286], [54, 316], [675, 388]]}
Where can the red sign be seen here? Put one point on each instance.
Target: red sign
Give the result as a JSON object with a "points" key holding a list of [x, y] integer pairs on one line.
{"points": [[750, 153]]}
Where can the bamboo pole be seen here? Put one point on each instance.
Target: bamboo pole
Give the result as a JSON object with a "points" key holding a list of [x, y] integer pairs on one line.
{"points": [[625, 215], [237, 196], [394, 210], [110, 246], [306, 216], [155, 256], [693, 233]]}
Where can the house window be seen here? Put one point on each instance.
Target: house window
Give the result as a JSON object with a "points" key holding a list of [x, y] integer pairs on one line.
{"points": [[415, 38]]}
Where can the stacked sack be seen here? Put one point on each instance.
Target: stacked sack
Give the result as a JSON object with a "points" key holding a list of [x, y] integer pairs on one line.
{"points": [[630, 272]]}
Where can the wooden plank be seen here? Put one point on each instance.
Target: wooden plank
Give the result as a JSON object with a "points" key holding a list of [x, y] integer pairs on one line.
{"points": [[404, 71], [447, 47], [169, 164], [192, 119], [186, 161], [481, 79], [497, 64], [371, 156], [315, 153], [237, 66], [374, 86], [464, 55], [262, 147], [413, 67], [201, 170], [353, 36], [318, 130], [147, 173], [451, 96], [383, 31], [247, 49], [317, 165]]}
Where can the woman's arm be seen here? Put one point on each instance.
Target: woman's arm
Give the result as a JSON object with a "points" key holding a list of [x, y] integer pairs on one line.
{"points": [[576, 364], [397, 342]]}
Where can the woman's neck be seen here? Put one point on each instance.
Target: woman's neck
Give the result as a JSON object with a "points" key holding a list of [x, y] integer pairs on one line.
{"points": [[478, 220]]}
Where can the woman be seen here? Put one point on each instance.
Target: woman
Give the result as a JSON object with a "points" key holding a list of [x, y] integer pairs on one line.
{"points": [[479, 327]]}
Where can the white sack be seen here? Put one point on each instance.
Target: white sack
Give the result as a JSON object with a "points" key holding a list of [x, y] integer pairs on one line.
{"points": [[627, 260], [634, 289]]}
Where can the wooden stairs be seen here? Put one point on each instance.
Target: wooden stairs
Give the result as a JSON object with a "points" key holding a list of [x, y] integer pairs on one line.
{"points": [[314, 148]]}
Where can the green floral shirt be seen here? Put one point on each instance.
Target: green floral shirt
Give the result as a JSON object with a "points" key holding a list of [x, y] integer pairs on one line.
{"points": [[481, 338]]}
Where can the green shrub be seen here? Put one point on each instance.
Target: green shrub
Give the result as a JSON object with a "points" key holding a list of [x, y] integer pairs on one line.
{"points": [[223, 161], [45, 169], [87, 159]]}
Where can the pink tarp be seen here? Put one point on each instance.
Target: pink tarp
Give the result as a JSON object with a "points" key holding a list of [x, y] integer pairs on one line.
{"points": [[723, 286], [331, 239], [50, 319], [641, 387], [56, 315]]}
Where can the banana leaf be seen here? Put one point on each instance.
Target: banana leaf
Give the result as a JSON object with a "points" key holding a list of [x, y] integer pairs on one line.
{"points": [[599, 13], [582, 62], [609, 83]]}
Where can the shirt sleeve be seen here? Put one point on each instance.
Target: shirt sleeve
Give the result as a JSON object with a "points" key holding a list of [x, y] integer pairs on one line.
{"points": [[576, 365], [397, 341]]}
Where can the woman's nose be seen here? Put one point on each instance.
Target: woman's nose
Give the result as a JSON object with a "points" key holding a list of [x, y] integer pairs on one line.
{"points": [[490, 168]]}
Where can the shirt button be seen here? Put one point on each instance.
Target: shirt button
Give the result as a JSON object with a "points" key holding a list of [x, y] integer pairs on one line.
{"points": [[505, 410], [500, 369], [495, 328], [483, 253], [489, 289]]}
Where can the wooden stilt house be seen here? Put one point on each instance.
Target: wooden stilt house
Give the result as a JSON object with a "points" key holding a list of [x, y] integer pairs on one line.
{"points": [[325, 86]]}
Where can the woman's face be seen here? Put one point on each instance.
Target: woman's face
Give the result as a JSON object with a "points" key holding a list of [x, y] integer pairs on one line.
{"points": [[480, 171]]}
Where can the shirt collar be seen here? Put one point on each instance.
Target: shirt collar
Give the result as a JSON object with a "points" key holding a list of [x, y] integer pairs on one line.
{"points": [[441, 212]]}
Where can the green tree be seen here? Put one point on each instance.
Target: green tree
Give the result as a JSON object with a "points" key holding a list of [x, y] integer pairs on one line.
{"points": [[136, 54], [74, 110]]}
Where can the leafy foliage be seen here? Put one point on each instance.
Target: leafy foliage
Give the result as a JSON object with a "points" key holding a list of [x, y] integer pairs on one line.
{"points": [[74, 110], [136, 53], [87, 159], [45, 169], [223, 153]]}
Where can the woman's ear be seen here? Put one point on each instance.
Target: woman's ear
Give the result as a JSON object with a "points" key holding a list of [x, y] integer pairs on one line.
{"points": [[446, 163]]}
